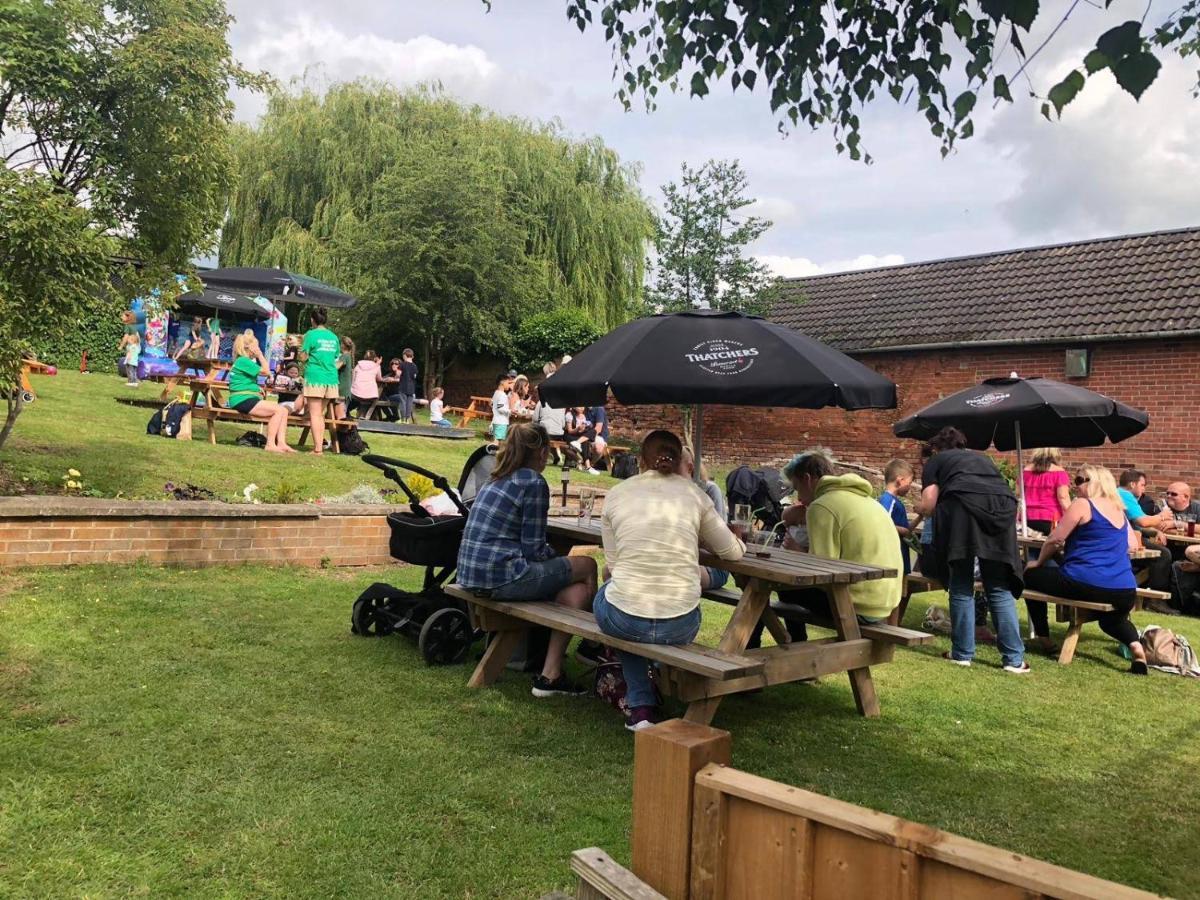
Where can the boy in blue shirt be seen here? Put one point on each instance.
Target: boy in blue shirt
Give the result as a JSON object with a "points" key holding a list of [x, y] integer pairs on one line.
{"points": [[898, 478]]}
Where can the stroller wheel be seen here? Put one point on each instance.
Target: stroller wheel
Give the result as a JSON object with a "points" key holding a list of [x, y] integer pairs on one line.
{"points": [[370, 617], [446, 637]]}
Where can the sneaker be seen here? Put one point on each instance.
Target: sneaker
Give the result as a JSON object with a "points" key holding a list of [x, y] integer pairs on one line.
{"points": [[965, 663], [1022, 669], [590, 653], [133, 384], [544, 687], [641, 718]]}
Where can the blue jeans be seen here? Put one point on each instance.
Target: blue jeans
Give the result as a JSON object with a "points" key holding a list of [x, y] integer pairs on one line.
{"points": [[639, 689], [962, 610]]}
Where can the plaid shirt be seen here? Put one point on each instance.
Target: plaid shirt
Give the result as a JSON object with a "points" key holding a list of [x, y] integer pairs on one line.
{"points": [[505, 532]]}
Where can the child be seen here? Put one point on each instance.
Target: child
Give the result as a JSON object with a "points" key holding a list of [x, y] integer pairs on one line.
{"points": [[408, 386], [214, 337], [436, 417], [345, 374], [500, 414], [131, 345], [898, 478]]}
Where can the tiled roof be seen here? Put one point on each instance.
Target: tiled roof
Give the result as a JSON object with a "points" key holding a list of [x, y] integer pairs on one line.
{"points": [[1086, 291]]}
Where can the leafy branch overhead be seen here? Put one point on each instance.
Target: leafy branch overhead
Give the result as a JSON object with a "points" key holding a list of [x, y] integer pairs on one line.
{"points": [[820, 63]]}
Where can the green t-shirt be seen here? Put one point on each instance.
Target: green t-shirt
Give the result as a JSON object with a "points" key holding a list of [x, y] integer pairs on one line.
{"points": [[243, 380], [345, 375], [131, 329], [322, 348]]}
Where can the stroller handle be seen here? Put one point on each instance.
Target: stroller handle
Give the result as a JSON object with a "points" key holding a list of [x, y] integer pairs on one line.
{"points": [[388, 466]]}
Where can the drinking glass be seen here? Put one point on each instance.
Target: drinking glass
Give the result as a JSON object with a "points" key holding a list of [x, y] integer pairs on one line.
{"points": [[587, 500], [742, 518]]}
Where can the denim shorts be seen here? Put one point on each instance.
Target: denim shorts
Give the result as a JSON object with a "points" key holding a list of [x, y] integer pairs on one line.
{"points": [[541, 581]]}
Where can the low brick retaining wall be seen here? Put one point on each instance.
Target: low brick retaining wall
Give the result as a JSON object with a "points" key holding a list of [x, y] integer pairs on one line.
{"points": [[58, 531]]}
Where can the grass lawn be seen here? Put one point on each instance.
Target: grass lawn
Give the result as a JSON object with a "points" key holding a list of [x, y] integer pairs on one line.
{"points": [[221, 733], [77, 423]]}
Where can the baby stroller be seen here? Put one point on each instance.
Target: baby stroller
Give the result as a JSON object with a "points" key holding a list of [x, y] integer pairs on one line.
{"points": [[439, 623]]}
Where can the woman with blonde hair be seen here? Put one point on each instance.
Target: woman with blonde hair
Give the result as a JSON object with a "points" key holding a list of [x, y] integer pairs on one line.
{"points": [[1095, 538], [504, 551], [1045, 489], [246, 396]]}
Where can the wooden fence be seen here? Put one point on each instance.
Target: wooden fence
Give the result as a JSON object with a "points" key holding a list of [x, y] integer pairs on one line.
{"points": [[705, 831]]}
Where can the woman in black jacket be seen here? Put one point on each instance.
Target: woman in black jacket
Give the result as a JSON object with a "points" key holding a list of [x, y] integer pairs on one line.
{"points": [[974, 515]]}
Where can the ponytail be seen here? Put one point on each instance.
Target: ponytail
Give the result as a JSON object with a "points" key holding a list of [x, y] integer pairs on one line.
{"points": [[662, 452]]}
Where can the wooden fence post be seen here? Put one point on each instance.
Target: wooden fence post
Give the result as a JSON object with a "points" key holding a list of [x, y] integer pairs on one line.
{"points": [[666, 759]]}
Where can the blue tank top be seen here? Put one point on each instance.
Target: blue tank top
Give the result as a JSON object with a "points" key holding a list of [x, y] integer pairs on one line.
{"points": [[1098, 554]]}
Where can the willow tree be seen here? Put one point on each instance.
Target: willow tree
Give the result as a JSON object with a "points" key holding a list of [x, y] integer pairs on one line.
{"points": [[311, 172]]}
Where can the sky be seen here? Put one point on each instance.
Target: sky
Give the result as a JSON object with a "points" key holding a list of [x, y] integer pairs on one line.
{"points": [[1110, 166]]}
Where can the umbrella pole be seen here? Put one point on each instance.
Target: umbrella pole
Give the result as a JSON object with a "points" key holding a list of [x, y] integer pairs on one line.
{"points": [[1021, 481], [698, 440]]}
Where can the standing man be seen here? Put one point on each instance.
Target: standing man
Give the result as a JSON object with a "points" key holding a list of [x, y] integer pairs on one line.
{"points": [[408, 386]]}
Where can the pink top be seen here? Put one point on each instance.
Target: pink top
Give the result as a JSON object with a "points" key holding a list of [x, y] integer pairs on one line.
{"points": [[1041, 494], [364, 383]]}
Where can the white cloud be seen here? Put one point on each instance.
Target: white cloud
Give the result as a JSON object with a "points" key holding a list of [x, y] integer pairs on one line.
{"points": [[778, 209], [800, 267]]}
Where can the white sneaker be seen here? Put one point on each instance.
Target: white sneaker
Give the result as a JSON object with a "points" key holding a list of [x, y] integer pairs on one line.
{"points": [[133, 384], [1022, 669], [965, 663]]}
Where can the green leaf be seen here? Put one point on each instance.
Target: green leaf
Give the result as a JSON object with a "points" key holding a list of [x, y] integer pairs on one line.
{"points": [[748, 79], [1022, 12], [1000, 88], [963, 24], [699, 86], [963, 104], [1095, 61], [1119, 42], [1064, 92], [1136, 72]]}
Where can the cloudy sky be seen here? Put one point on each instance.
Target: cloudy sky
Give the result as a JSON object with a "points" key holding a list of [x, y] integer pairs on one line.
{"points": [[1112, 166]]}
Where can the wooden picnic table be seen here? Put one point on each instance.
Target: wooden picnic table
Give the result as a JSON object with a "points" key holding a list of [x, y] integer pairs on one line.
{"points": [[171, 382], [763, 570], [1181, 538], [214, 408], [1034, 542], [478, 408]]}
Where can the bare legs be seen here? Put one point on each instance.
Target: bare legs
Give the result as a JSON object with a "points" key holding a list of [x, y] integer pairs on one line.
{"points": [[316, 422], [276, 416], [577, 595]]}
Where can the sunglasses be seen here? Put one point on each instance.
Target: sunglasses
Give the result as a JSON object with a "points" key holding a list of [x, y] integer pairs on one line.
{"points": [[1080, 480], [1174, 494]]}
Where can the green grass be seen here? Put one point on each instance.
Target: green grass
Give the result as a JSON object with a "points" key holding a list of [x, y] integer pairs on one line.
{"points": [[77, 423], [220, 733]]}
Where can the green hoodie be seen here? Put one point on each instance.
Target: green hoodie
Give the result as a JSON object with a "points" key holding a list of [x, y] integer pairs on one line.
{"points": [[845, 521]]}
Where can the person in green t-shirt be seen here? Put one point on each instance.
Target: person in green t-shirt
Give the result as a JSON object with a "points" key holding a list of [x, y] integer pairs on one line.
{"points": [[214, 337], [320, 352], [246, 396], [345, 376]]}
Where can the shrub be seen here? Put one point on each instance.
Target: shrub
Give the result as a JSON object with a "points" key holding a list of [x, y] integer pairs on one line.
{"points": [[549, 335]]}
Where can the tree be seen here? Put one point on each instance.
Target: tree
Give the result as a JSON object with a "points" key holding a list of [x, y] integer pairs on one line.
{"points": [[822, 62], [114, 121], [311, 176], [701, 242], [445, 245], [551, 335]]}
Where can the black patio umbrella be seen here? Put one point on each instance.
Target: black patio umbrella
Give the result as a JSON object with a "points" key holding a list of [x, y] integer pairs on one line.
{"points": [[294, 287], [222, 302], [710, 356], [1013, 412]]}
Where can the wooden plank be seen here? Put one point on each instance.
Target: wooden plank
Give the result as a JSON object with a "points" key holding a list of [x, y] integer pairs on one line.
{"points": [[755, 597], [602, 878], [845, 621], [905, 637], [769, 855], [1067, 653], [666, 759], [712, 663], [783, 665], [499, 651], [709, 832], [923, 840], [850, 865]]}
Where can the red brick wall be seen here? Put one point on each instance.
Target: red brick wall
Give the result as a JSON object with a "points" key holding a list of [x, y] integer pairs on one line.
{"points": [[1162, 377], [75, 531]]}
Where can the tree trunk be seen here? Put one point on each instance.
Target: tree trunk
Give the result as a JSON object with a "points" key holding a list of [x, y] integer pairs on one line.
{"points": [[15, 405]]}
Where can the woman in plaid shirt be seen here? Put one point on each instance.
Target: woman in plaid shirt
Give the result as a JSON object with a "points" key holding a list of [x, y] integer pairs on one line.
{"points": [[504, 551]]}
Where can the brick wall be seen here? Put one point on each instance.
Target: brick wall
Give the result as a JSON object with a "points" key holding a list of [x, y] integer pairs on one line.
{"points": [[1162, 377], [54, 531]]}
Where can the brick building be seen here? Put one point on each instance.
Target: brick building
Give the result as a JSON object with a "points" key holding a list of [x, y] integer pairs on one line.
{"points": [[1120, 316]]}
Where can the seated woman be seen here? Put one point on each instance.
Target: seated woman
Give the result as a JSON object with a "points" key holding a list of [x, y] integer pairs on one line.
{"points": [[364, 383], [653, 525], [1095, 565], [246, 396], [504, 551], [1046, 491]]}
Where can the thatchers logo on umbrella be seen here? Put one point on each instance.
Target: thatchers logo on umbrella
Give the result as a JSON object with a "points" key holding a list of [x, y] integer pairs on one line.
{"points": [[226, 299], [983, 401], [722, 357]]}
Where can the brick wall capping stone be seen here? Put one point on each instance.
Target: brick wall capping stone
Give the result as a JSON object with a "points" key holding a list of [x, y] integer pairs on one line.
{"points": [[93, 507]]}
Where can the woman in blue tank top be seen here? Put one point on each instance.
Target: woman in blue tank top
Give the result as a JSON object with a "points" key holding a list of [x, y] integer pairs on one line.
{"points": [[1096, 538]]}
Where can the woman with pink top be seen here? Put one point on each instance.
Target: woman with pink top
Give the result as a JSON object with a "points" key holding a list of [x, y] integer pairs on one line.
{"points": [[1046, 494], [364, 384]]}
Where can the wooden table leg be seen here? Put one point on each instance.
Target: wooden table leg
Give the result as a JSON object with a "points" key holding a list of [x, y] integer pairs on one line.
{"points": [[169, 385], [330, 419], [845, 621], [1078, 619], [755, 598], [499, 651]]}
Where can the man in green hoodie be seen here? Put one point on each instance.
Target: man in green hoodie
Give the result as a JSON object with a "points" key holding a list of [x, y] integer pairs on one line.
{"points": [[844, 521]]}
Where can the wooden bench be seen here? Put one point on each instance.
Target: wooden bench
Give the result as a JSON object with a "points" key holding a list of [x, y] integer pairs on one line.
{"points": [[1075, 612], [510, 620], [213, 414], [879, 631]]}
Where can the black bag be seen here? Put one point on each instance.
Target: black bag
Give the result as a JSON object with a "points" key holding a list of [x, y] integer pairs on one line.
{"points": [[624, 466], [350, 441], [251, 439], [172, 418], [154, 426]]}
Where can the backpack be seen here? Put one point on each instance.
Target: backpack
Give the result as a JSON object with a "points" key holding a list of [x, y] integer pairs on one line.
{"points": [[351, 442], [624, 465], [251, 439], [1169, 651], [154, 426], [172, 419]]}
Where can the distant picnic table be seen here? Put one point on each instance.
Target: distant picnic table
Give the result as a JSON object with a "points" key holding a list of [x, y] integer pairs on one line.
{"points": [[205, 368]]}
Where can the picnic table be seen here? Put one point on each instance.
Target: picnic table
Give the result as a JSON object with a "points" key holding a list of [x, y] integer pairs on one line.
{"points": [[214, 408], [1179, 538], [205, 366], [478, 408], [854, 649], [1034, 542]]}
